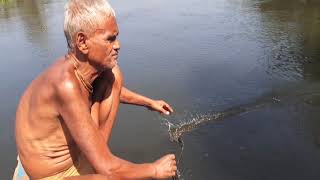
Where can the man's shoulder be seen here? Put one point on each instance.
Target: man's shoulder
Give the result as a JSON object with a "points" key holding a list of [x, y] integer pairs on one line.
{"points": [[116, 71], [56, 76], [66, 84], [63, 79], [117, 76], [114, 76]]}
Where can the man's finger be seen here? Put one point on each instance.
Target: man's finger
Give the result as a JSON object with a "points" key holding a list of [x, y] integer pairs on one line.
{"points": [[163, 111], [168, 110], [168, 107], [172, 156], [174, 168]]}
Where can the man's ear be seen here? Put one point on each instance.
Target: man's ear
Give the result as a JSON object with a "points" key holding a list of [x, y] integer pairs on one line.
{"points": [[81, 42]]}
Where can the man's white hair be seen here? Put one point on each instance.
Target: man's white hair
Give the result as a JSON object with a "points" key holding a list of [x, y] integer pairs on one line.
{"points": [[85, 16]]}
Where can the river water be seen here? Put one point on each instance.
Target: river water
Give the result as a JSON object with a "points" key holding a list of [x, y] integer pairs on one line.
{"points": [[242, 75]]}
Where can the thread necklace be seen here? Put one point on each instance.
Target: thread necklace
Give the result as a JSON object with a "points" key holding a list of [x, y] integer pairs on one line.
{"points": [[85, 83]]}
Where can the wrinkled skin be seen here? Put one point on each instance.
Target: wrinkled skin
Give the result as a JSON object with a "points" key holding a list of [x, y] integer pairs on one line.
{"points": [[57, 118]]}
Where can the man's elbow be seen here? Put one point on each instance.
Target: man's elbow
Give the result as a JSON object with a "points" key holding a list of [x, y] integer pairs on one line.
{"points": [[112, 170]]}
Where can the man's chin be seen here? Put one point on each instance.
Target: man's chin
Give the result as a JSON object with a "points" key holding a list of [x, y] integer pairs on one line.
{"points": [[111, 66], [115, 63]]}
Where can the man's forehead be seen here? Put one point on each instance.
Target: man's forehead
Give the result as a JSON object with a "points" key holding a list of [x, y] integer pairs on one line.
{"points": [[109, 27]]}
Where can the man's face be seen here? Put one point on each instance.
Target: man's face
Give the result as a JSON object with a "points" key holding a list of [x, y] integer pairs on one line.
{"points": [[103, 46]]}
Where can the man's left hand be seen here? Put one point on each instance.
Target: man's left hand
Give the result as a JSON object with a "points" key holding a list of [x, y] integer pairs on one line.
{"points": [[160, 106]]}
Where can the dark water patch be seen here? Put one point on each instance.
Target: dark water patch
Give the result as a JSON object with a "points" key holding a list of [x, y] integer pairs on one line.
{"points": [[198, 120], [294, 101], [309, 95]]}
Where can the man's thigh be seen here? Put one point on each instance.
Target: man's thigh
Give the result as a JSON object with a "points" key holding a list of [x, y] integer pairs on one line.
{"points": [[88, 177]]}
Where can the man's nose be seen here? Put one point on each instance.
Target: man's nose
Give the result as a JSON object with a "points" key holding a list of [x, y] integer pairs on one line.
{"points": [[116, 45]]}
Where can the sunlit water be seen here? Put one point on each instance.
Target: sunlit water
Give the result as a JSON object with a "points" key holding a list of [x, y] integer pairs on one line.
{"points": [[242, 75]]}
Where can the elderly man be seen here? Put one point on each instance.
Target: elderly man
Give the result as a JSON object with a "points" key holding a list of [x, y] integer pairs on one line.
{"points": [[65, 117]]}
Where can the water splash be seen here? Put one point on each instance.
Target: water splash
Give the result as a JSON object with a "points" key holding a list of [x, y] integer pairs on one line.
{"points": [[176, 131], [177, 127]]}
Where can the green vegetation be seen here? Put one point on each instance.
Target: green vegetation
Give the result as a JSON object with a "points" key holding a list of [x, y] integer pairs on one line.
{"points": [[4, 2]]}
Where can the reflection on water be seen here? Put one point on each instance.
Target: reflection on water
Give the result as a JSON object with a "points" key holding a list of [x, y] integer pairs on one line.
{"points": [[293, 29], [242, 75], [27, 47], [31, 13]]}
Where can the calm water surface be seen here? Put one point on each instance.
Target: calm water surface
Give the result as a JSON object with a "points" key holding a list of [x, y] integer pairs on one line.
{"points": [[204, 57]]}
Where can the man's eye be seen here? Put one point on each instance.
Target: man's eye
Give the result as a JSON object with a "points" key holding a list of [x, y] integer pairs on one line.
{"points": [[112, 38]]}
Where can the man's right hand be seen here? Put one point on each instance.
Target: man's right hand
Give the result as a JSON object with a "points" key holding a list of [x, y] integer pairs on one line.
{"points": [[165, 167]]}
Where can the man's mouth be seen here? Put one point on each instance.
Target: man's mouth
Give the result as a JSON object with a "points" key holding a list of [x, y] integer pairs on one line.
{"points": [[115, 56]]}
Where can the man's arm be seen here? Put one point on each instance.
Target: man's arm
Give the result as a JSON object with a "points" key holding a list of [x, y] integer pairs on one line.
{"points": [[76, 115], [130, 97]]}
